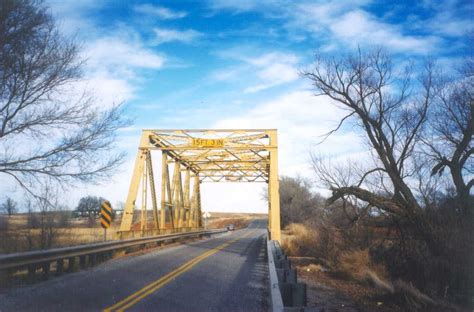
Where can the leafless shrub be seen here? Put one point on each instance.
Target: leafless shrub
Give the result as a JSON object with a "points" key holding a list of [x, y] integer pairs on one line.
{"points": [[11, 241], [62, 216], [32, 219], [9, 206], [3, 223], [43, 221], [298, 203]]}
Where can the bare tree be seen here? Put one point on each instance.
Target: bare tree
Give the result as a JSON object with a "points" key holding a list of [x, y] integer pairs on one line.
{"points": [[90, 205], [448, 140], [9, 206], [379, 102], [47, 133], [298, 203], [404, 120], [45, 220]]}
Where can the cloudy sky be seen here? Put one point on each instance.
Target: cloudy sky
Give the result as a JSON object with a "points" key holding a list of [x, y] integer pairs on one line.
{"points": [[236, 64]]}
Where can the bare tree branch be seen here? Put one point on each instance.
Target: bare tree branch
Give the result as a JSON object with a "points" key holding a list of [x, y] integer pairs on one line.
{"points": [[47, 133]]}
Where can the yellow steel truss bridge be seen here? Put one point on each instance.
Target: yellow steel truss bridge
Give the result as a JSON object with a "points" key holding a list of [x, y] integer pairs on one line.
{"points": [[249, 155]]}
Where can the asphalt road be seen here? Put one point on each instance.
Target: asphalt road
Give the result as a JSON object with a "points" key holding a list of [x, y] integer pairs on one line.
{"points": [[225, 273]]}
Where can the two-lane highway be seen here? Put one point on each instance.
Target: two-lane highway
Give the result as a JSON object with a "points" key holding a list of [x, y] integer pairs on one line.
{"points": [[225, 273]]}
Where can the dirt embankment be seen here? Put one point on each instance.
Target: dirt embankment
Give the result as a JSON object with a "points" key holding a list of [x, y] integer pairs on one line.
{"points": [[332, 293]]}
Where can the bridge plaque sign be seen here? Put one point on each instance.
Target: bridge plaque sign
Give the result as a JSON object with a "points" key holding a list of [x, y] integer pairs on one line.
{"points": [[198, 142]]}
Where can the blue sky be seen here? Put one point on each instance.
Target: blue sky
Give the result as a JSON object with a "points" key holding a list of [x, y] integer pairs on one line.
{"points": [[222, 64]]}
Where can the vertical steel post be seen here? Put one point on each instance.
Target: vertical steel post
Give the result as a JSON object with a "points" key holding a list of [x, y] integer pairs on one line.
{"points": [[143, 218], [127, 217], [198, 203], [175, 193], [151, 178], [194, 203], [180, 200], [164, 187], [186, 204], [273, 189]]}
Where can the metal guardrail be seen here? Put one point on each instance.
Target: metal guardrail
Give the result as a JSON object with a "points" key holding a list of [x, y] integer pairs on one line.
{"points": [[275, 294], [151, 232], [99, 251], [286, 293]]}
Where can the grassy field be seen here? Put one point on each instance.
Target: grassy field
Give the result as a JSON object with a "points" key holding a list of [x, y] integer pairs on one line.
{"points": [[16, 236]]}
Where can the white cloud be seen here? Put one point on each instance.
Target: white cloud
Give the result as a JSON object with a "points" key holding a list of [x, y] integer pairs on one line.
{"points": [[113, 66], [73, 18], [345, 24], [167, 35], [274, 69], [228, 74], [268, 69], [158, 11], [272, 75], [114, 60], [109, 90], [111, 52], [446, 24], [360, 28], [242, 5], [342, 23]]}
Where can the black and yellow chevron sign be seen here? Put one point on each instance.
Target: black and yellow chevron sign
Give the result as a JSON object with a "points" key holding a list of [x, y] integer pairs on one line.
{"points": [[105, 214]]}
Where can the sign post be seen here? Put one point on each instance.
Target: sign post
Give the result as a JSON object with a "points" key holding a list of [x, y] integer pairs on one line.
{"points": [[206, 215], [105, 216]]}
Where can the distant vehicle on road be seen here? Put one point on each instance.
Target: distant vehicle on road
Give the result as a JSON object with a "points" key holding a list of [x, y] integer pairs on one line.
{"points": [[230, 227]]}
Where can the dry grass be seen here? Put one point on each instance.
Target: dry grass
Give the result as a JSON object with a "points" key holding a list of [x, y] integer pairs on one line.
{"points": [[413, 299], [300, 241], [15, 236], [222, 223], [357, 265], [76, 236], [27, 239], [239, 220], [351, 266], [313, 268]]}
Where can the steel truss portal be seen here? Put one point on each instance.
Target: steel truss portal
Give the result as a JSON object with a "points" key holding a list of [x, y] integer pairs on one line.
{"points": [[202, 156]]}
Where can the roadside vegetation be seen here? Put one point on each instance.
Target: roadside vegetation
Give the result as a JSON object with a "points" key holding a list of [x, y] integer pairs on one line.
{"points": [[45, 227], [361, 263], [401, 217], [46, 223]]}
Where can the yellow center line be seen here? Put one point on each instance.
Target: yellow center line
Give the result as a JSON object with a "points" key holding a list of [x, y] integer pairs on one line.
{"points": [[154, 286]]}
